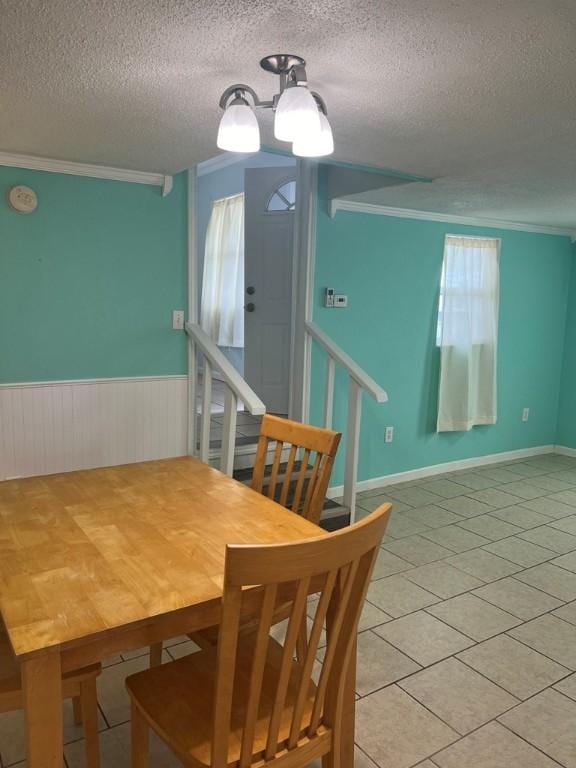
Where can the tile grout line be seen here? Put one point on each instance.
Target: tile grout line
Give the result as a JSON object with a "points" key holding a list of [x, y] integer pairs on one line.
{"points": [[521, 622], [518, 640], [441, 599], [521, 567], [569, 673], [534, 746], [455, 656], [482, 725]]}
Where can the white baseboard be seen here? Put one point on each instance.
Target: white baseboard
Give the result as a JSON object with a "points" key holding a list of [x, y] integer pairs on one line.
{"points": [[449, 466], [563, 450], [60, 426]]}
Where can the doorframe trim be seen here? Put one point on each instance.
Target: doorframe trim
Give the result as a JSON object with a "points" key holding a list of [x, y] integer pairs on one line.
{"points": [[304, 251], [302, 287], [193, 275]]}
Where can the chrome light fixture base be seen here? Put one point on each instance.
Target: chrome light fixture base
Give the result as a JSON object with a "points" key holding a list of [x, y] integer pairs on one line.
{"points": [[281, 63]]}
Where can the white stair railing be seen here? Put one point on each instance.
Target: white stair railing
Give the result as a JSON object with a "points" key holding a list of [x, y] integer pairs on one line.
{"points": [[236, 389], [359, 381]]}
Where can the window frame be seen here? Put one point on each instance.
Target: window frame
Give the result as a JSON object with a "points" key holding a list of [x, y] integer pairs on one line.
{"points": [[442, 287], [291, 206]]}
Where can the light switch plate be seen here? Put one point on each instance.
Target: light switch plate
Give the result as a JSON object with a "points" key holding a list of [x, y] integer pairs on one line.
{"points": [[178, 320]]}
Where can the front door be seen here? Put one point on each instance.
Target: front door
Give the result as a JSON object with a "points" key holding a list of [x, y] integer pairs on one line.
{"points": [[269, 200]]}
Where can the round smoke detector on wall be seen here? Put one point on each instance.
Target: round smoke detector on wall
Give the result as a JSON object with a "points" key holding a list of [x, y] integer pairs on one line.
{"points": [[23, 199]]}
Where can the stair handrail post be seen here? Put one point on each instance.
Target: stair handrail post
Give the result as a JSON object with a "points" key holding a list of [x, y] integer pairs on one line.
{"points": [[192, 398], [352, 447], [329, 392], [206, 411], [229, 432]]}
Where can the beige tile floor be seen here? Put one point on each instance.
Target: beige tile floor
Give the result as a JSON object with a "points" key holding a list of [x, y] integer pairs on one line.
{"points": [[467, 646]]}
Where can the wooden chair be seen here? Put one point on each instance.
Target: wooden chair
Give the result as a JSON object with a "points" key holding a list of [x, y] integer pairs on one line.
{"points": [[301, 485], [79, 685], [249, 702], [311, 474]]}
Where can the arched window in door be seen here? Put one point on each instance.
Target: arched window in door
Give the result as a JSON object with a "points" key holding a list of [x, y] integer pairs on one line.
{"points": [[283, 199]]}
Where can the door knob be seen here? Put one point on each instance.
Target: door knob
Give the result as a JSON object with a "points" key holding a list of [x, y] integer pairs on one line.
{"points": [[250, 307], [250, 290]]}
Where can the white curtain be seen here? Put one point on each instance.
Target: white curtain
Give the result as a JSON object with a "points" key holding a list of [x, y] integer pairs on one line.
{"points": [[222, 304], [468, 333]]}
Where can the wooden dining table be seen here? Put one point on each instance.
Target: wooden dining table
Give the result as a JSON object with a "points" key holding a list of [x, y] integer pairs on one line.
{"points": [[101, 561]]}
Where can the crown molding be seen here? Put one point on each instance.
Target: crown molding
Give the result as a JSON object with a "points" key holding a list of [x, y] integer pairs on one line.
{"points": [[220, 161], [408, 213], [30, 162]]}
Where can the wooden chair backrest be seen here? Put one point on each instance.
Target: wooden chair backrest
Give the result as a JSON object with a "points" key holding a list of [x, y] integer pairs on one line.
{"points": [[338, 567], [311, 475]]}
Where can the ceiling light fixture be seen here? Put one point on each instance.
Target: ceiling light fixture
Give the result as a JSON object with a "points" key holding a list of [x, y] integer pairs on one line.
{"points": [[300, 114]]}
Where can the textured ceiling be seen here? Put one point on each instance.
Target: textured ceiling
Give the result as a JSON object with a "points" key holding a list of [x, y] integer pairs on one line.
{"points": [[480, 95]]}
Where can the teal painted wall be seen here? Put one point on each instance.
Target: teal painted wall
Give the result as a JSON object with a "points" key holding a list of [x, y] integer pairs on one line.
{"points": [[88, 283], [390, 269], [89, 280], [567, 412]]}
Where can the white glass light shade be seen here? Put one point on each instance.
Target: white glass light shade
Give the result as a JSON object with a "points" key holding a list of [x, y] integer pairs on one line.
{"points": [[296, 114], [238, 130], [315, 144]]}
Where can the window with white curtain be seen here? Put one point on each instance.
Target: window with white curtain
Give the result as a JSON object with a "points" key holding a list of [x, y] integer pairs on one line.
{"points": [[222, 304], [467, 333]]}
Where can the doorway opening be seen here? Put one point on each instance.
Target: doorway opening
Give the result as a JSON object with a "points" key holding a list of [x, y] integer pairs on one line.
{"points": [[245, 253]]}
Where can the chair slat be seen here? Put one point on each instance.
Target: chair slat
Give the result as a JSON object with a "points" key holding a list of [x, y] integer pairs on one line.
{"points": [[260, 463], [300, 484], [227, 647], [275, 467], [312, 480], [354, 605], [346, 641], [308, 663], [288, 475], [297, 615], [257, 673], [333, 634]]}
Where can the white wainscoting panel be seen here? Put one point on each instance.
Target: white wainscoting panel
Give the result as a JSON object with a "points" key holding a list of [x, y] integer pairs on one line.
{"points": [[60, 426]]}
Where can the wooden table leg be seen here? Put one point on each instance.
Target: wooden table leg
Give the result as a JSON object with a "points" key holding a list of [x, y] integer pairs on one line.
{"points": [[42, 688], [349, 713]]}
